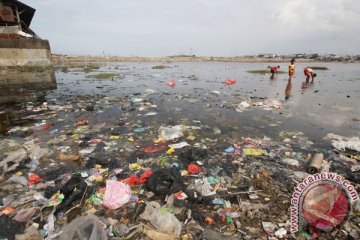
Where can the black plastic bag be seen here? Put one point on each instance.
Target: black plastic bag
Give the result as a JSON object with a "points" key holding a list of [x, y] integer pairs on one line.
{"points": [[165, 181]]}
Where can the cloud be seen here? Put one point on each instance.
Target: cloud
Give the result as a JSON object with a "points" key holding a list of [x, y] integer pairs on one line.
{"points": [[320, 15], [208, 27]]}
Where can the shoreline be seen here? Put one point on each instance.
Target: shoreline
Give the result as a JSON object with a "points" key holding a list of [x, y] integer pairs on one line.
{"points": [[58, 59]]}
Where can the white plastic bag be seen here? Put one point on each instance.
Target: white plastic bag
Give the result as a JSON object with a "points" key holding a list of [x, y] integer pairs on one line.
{"points": [[84, 228], [352, 144], [171, 133], [163, 221]]}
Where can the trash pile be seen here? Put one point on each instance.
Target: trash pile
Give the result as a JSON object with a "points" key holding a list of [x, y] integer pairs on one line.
{"points": [[78, 172]]}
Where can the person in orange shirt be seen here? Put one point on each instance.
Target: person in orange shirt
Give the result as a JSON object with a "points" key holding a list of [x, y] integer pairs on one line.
{"points": [[291, 69]]}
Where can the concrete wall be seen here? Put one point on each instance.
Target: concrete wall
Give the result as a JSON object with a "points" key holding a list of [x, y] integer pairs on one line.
{"points": [[24, 52], [18, 86]]}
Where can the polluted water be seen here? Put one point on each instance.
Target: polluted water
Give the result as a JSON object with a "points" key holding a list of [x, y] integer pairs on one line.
{"points": [[185, 151]]}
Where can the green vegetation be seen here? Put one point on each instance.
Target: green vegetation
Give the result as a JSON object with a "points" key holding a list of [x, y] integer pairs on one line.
{"points": [[90, 68], [264, 72], [104, 75], [193, 78], [160, 67], [319, 68]]}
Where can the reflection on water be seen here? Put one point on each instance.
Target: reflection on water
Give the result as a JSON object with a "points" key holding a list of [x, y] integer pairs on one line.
{"points": [[288, 90], [18, 86], [4, 122]]}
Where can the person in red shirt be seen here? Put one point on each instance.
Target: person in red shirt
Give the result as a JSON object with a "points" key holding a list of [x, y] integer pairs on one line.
{"points": [[273, 70], [309, 73]]}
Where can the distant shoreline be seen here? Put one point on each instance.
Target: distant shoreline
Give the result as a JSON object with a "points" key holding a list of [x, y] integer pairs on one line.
{"points": [[58, 59]]}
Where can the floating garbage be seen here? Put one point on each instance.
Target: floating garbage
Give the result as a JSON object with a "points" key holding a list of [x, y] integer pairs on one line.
{"points": [[171, 83], [230, 81], [171, 133], [316, 163], [134, 160]]}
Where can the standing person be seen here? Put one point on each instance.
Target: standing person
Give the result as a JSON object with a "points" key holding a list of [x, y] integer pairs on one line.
{"points": [[291, 69], [273, 70], [309, 73]]}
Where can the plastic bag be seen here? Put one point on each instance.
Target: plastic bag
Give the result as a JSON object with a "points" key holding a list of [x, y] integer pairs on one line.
{"points": [[163, 221], [33, 178], [352, 144], [31, 233], [36, 152], [179, 145], [73, 190], [165, 181], [13, 160], [84, 228], [116, 194], [24, 215], [171, 133], [19, 179]]}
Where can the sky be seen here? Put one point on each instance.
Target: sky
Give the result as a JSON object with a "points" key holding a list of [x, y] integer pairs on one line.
{"points": [[157, 28]]}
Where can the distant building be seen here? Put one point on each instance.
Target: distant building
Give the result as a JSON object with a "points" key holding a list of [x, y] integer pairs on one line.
{"points": [[19, 45]]}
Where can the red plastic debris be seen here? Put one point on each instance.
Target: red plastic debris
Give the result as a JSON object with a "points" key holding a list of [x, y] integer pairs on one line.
{"points": [[209, 220], [133, 179], [155, 148], [230, 81], [171, 83], [194, 169], [180, 195], [222, 217], [144, 177], [46, 126], [33, 178]]}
